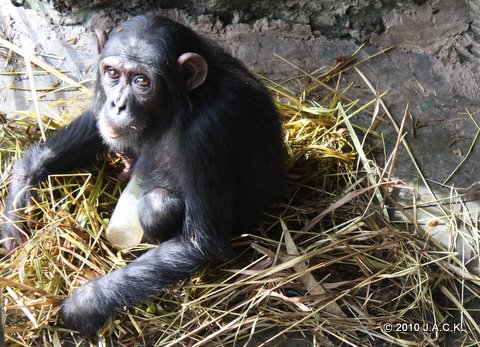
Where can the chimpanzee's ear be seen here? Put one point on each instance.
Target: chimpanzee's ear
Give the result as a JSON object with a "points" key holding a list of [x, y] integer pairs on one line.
{"points": [[102, 38], [195, 69]]}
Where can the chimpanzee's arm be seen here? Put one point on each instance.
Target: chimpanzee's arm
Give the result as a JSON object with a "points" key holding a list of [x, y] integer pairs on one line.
{"points": [[203, 241], [162, 267], [74, 146], [205, 238]]}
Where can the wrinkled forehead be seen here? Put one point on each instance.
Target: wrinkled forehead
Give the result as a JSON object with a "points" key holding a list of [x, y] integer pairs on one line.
{"points": [[134, 48]]}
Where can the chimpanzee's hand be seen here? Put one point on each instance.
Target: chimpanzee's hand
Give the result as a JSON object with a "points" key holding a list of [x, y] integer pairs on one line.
{"points": [[18, 199], [11, 236], [86, 310]]}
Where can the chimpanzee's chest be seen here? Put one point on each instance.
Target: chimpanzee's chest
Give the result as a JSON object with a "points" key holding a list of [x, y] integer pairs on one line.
{"points": [[159, 165]]}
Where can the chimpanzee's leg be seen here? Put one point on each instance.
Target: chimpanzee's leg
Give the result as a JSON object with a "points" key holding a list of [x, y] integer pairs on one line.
{"points": [[161, 213]]}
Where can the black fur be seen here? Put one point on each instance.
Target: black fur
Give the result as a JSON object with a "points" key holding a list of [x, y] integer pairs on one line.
{"points": [[209, 159]]}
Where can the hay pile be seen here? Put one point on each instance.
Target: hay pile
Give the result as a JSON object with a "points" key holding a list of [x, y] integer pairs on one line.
{"points": [[328, 267]]}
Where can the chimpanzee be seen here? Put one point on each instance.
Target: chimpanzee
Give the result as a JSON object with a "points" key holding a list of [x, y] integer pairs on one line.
{"points": [[204, 142]]}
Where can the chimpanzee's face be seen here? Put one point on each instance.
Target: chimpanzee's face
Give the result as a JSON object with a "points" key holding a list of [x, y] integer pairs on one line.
{"points": [[143, 79], [132, 94]]}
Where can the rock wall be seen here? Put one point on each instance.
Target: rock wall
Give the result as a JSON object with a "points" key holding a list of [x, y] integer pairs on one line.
{"points": [[358, 19]]}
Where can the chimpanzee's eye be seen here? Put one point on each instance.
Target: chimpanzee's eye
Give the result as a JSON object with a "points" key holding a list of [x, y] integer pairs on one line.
{"points": [[142, 81], [112, 73]]}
